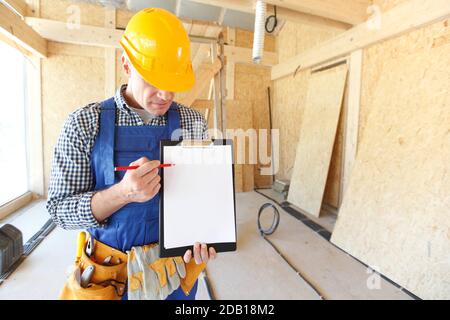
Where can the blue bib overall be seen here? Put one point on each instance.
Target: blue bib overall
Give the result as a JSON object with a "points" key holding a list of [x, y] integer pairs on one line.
{"points": [[135, 224]]}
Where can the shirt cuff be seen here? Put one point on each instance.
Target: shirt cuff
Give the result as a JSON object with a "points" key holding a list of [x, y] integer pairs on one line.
{"points": [[86, 211]]}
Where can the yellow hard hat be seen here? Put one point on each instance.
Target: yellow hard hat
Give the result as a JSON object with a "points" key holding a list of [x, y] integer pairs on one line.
{"points": [[158, 47]]}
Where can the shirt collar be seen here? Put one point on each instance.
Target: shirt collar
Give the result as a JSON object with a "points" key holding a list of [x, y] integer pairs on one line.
{"points": [[122, 104]]}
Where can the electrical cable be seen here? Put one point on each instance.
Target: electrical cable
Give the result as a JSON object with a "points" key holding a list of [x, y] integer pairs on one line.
{"points": [[267, 232], [270, 19]]}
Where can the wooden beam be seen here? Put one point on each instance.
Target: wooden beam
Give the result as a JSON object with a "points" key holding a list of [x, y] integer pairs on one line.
{"points": [[18, 6], [110, 55], [205, 73], [13, 27], [16, 204], [85, 35], [244, 55], [403, 18], [347, 11], [109, 38], [230, 67], [90, 35], [283, 13]]}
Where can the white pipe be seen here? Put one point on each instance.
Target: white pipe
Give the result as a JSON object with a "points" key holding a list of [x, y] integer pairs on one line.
{"points": [[258, 38]]}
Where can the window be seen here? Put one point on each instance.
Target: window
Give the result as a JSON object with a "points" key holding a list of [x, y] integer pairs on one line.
{"points": [[13, 148]]}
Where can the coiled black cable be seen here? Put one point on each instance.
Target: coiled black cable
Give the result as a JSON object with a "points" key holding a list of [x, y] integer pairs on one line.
{"points": [[271, 18], [270, 231]]}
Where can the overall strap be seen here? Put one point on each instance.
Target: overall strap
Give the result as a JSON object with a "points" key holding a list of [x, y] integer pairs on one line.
{"points": [[106, 136], [174, 122]]}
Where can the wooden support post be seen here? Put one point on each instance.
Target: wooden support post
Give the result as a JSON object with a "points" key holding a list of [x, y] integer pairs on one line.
{"points": [[15, 29], [230, 66], [110, 55]]}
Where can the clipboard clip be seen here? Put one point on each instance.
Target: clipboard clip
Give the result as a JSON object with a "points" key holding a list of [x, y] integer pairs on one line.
{"points": [[196, 143]]}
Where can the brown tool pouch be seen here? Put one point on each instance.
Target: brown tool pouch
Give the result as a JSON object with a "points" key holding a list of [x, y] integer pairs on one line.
{"points": [[108, 282]]}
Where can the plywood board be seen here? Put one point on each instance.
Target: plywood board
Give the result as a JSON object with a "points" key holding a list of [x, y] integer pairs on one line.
{"points": [[289, 94], [395, 214], [317, 137], [333, 185]]}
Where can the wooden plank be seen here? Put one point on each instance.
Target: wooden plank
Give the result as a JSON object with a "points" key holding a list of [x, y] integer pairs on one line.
{"points": [[244, 55], [395, 213], [15, 205], [317, 137], [12, 26], [85, 35], [403, 18], [282, 13], [352, 116], [217, 112], [18, 6], [204, 75], [351, 12], [110, 55], [230, 66]]}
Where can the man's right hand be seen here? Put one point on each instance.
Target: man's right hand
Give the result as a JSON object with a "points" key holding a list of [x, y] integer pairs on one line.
{"points": [[141, 184]]}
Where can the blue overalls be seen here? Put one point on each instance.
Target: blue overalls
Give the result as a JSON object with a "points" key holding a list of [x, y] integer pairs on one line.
{"points": [[136, 224]]}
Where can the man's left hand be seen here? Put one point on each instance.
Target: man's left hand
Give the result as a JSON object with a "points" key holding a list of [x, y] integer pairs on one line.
{"points": [[201, 254]]}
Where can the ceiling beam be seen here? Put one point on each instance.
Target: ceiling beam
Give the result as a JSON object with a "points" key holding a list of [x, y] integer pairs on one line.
{"points": [[403, 18], [15, 29], [204, 74], [18, 6], [347, 11], [282, 12], [105, 37]]}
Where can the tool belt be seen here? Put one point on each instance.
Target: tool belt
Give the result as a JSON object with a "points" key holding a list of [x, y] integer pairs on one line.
{"points": [[104, 275]]}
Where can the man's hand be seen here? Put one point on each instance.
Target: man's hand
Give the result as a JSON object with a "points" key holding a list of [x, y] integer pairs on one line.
{"points": [[142, 184], [201, 254]]}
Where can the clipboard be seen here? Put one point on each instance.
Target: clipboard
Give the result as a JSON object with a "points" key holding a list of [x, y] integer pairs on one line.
{"points": [[197, 197]]}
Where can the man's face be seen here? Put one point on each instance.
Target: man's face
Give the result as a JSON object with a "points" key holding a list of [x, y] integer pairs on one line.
{"points": [[148, 97]]}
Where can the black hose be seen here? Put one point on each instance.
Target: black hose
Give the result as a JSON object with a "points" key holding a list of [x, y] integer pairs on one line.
{"points": [[270, 231]]}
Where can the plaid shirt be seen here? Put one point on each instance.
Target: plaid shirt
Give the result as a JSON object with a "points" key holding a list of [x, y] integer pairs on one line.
{"points": [[72, 182]]}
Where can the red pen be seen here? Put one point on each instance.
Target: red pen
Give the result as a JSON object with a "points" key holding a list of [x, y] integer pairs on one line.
{"points": [[135, 167]]}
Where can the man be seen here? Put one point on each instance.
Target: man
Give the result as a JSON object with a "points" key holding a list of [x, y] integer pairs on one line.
{"points": [[121, 210]]}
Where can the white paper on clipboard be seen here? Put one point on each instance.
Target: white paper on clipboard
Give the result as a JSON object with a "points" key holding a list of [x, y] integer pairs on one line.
{"points": [[198, 194]]}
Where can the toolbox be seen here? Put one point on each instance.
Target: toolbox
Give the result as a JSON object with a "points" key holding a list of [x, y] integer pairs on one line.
{"points": [[11, 246]]}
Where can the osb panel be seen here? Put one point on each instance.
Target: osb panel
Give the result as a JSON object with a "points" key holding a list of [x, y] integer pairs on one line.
{"points": [[68, 83], [244, 39], [295, 38], [317, 137], [289, 94], [433, 36], [395, 214], [333, 185], [64, 10], [288, 102]]}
